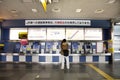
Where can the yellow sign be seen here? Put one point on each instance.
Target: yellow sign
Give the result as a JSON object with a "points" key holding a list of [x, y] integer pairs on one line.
{"points": [[22, 35], [110, 46], [1, 44]]}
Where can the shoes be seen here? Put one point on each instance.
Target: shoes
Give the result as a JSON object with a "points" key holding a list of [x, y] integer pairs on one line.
{"points": [[67, 68]]}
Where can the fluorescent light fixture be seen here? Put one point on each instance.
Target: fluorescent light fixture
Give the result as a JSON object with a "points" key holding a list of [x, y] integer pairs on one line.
{"points": [[55, 1], [99, 11], [13, 11], [111, 1], [34, 10], [78, 10], [49, 1], [25, 1], [118, 23], [56, 10]]}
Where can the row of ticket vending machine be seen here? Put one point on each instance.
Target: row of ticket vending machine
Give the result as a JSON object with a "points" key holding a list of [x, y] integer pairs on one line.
{"points": [[53, 47]]}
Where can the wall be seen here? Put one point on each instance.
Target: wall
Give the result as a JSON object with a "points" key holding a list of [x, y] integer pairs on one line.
{"points": [[20, 23], [105, 24], [7, 24]]}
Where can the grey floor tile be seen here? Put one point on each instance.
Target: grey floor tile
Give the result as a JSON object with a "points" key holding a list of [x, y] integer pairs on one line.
{"points": [[29, 76], [6, 74], [31, 71], [83, 75]]}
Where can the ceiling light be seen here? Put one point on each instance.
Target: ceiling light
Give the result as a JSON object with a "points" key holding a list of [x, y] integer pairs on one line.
{"points": [[49, 1], [118, 23], [34, 10], [78, 10], [111, 1], [56, 10], [55, 1], [99, 11], [13, 11], [27, 1]]}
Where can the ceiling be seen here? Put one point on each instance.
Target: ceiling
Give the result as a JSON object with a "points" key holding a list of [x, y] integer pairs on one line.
{"points": [[60, 9]]}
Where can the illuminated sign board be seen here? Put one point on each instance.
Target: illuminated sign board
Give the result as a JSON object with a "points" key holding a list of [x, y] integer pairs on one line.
{"points": [[74, 34], [36, 33], [58, 22], [93, 33], [14, 33], [55, 33]]}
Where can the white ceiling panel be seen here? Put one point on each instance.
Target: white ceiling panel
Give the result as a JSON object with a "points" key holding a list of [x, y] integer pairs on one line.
{"points": [[66, 9]]}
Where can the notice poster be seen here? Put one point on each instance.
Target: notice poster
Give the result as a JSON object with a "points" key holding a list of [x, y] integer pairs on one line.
{"points": [[55, 33], [93, 33], [37, 34], [100, 47], [14, 33], [74, 34]]}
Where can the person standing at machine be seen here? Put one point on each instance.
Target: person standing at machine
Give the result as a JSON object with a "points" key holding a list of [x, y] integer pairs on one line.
{"points": [[64, 54]]}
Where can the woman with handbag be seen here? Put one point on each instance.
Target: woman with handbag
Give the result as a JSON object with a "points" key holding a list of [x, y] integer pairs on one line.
{"points": [[64, 54]]}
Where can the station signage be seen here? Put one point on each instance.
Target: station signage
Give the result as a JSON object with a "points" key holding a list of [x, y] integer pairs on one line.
{"points": [[57, 22]]}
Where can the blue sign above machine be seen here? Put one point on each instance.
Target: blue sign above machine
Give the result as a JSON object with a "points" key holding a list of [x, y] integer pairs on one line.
{"points": [[57, 22]]}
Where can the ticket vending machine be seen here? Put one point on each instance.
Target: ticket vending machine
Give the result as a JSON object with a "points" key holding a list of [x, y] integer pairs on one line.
{"points": [[23, 49], [75, 47], [88, 48], [56, 47], [48, 46], [35, 48], [17, 47]]}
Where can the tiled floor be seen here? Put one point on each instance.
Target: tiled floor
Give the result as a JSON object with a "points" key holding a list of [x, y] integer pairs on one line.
{"points": [[37, 71]]}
